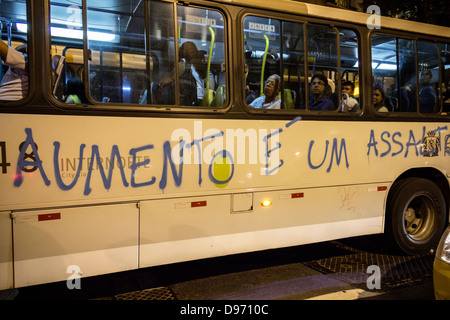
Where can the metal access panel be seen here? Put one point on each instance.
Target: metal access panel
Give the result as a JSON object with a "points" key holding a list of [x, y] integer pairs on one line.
{"points": [[242, 202], [69, 243], [181, 229], [6, 260]]}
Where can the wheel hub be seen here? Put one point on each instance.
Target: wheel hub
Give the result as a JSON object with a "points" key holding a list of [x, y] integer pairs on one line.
{"points": [[418, 218]]}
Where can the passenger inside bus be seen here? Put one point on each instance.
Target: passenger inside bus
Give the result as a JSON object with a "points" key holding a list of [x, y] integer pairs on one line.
{"points": [[193, 71], [320, 94], [349, 102], [427, 95], [75, 92], [14, 84], [378, 99], [446, 96], [270, 98]]}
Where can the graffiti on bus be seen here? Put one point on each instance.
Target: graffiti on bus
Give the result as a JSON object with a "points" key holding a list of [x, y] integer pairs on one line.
{"points": [[428, 145], [32, 159], [177, 152]]}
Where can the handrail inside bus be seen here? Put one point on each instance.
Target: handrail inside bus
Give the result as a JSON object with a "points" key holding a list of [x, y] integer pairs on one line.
{"points": [[209, 94], [209, 56], [8, 38], [264, 64]]}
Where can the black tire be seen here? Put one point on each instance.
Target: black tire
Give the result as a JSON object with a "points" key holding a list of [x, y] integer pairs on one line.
{"points": [[416, 215]]}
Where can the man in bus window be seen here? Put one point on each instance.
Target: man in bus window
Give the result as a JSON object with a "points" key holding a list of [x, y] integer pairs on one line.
{"points": [[427, 95], [270, 98], [319, 100], [14, 84], [192, 74], [349, 102]]}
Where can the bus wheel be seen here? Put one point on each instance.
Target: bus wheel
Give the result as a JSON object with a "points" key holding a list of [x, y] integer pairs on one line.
{"points": [[416, 215]]}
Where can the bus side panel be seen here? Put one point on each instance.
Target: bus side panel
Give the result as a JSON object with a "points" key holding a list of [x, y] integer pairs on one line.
{"points": [[170, 220], [176, 230], [49, 166], [63, 244], [6, 260]]}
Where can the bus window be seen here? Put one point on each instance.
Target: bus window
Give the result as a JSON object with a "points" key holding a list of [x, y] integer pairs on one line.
{"points": [[66, 60], [349, 71], [132, 55], [394, 71], [445, 87], [384, 72], [262, 59], [117, 63], [393, 85], [13, 50], [201, 57], [405, 88], [428, 61], [322, 60], [274, 48]]}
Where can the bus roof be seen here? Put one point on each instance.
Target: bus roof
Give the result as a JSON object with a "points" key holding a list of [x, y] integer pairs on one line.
{"points": [[307, 9]]}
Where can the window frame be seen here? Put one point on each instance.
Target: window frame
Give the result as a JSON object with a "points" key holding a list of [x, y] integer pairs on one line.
{"points": [[397, 34], [136, 108], [305, 21]]}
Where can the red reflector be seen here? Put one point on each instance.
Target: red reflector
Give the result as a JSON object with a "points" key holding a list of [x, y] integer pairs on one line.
{"points": [[198, 204], [297, 195], [49, 216], [382, 188]]}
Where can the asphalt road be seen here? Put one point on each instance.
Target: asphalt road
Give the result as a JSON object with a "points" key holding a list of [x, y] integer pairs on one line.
{"points": [[361, 268], [352, 269]]}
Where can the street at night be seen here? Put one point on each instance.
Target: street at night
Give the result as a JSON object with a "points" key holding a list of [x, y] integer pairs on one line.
{"points": [[345, 269]]}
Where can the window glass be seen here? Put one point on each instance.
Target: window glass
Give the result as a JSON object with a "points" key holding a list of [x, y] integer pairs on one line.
{"points": [[13, 50], [294, 79], [402, 83], [323, 67], [407, 75], [349, 71], [159, 88], [263, 62], [287, 62], [394, 74], [117, 62], [384, 72], [445, 86], [133, 54], [428, 62], [201, 55], [66, 30]]}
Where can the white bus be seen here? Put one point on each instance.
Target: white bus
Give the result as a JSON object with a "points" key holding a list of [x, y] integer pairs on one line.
{"points": [[163, 158]]}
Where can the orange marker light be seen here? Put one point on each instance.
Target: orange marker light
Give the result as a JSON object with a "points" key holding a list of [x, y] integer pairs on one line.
{"points": [[266, 203]]}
